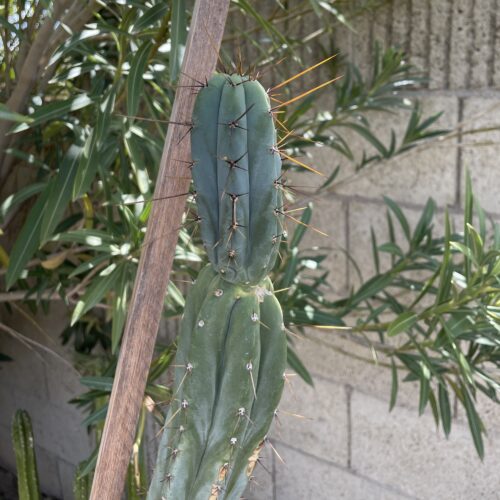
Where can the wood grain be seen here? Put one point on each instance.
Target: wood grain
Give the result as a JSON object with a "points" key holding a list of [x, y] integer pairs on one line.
{"points": [[207, 27]]}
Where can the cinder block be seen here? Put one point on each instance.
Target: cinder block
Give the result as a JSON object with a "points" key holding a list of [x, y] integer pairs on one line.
{"points": [[382, 25], [407, 177], [326, 354], [439, 46], [462, 20], [314, 419], [482, 47], [407, 452], [420, 36], [401, 24], [303, 477], [344, 39], [361, 47], [480, 151]]}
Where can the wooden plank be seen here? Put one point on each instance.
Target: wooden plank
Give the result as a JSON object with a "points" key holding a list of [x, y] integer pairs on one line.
{"points": [[207, 27]]}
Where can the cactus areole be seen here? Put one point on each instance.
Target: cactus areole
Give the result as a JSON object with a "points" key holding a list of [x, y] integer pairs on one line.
{"points": [[231, 353]]}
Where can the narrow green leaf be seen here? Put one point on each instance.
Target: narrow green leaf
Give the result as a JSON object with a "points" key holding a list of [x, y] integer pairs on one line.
{"points": [[175, 294], [132, 145], [444, 408], [376, 259], [468, 214], [99, 383], [120, 303], [60, 192], [19, 196], [11, 116], [475, 423], [298, 367], [400, 216], [54, 110], [402, 323], [90, 160], [87, 466], [394, 385], [434, 407], [371, 288], [96, 416], [90, 237], [301, 229], [424, 223], [10, 27], [89, 265], [464, 250], [135, 80], [71, 43], [28, 239], [178, 38], [100, 286], [391, 248], [368, 135], [446, 270], [424, 388], [150, 17]]}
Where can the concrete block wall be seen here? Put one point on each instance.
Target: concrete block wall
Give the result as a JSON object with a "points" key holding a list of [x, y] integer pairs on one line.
{"points": [[345, 444]]}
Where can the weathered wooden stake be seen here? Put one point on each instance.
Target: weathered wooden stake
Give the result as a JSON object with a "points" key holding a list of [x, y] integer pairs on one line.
{"points": [[207, 27]]}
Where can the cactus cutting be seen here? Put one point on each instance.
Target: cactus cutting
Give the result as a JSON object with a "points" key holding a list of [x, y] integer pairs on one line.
{"points": [[236, 167], [228, 382], [231, 353]]}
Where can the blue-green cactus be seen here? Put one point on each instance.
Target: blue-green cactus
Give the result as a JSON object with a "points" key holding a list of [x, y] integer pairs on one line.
{"points": [[236, 173]]}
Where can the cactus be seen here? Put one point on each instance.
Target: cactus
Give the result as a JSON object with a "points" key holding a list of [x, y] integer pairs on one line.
{"points": [[229, 378], [231, 354], [24, 449], [236, 172], [81, 483]]}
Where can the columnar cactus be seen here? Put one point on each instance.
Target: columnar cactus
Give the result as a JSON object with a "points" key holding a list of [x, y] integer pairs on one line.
{"points": [[24, 449], [232, 347]]}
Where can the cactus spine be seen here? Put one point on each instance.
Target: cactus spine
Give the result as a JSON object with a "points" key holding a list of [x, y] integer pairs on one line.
{"points": [[24, 449], [231, 354]]}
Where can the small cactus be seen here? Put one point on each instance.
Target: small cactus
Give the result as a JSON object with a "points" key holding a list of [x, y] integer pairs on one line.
{"points": [[24, 449]]}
